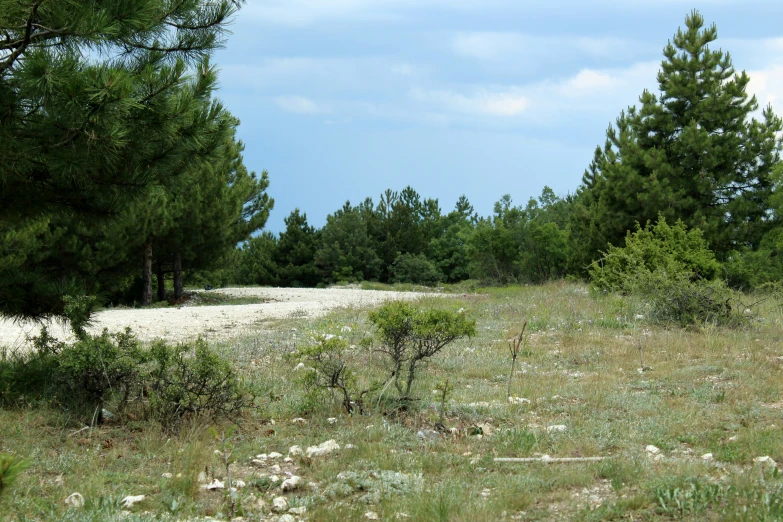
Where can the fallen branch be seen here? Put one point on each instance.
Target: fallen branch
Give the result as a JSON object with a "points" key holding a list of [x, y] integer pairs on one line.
{"points": [[546, 459]]}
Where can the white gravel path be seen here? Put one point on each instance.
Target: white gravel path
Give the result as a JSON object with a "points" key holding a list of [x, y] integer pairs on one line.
{"points": [[188, 322]]}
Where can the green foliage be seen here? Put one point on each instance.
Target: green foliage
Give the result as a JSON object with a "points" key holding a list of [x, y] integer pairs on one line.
{"points": [[191, 380], [410, 336], [96, 368], [327, 358], [659, 247], [295, 252], [114, 369], [10, 468], [677, 297], [693, 152], [672, 271], [345, 253], [416, 269]]}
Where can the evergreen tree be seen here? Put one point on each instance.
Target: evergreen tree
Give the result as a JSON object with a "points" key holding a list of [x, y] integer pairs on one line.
{"points": [[295, 252], [100, 103], [346, 252], [693, 152]]}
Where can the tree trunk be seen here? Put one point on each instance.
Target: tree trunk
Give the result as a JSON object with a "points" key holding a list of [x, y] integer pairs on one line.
{"points": [[161, 282], [146, 293], [177, 276]]}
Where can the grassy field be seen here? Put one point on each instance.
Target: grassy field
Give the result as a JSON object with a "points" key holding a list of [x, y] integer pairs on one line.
{"points": [[601, 381]]}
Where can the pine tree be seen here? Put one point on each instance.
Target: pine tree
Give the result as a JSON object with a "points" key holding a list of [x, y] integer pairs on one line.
{"points": [[693, 152], [100, 101]]}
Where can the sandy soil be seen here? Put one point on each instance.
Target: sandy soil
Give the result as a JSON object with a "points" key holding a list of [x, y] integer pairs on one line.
{"points": [[188, 322]]}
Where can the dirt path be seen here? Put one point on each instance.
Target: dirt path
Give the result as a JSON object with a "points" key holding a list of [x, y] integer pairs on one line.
{"points": [[188, 322]]}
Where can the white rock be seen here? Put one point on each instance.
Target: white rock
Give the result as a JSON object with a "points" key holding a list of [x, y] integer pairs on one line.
{"points": [[639, 316], [215, 484], [202, 478], [275, 455], [557, 428], [349, 446], [765, 460], [75, 500], [291, 483], [707, 456], [518, 400], [300, 366], [274, 479], [239, 484], [346, 329], [167, 475], [295, 451], [257, 462], [131, 499], [332, 420], [286, 518], [276, 469], [299, 420], [298, 510], [653, 450], [733, 438], [372, 515], [279, 504], [322, 449], [288, 460]]}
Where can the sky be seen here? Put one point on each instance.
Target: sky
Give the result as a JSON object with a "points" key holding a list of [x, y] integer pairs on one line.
{"points": [[341, 99]]}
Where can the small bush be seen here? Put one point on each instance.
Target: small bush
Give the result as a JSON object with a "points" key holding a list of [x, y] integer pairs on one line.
{"points": [[669, 249], [671, 270], [416, 269], [330, 371], [96, 369], [409, 336], [675, 297], [188, 380], [112, 369]]}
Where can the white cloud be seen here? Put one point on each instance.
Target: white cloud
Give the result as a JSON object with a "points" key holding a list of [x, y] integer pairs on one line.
{"points": [[767, 85], [298, 105], [505, 46], [482, 102]]}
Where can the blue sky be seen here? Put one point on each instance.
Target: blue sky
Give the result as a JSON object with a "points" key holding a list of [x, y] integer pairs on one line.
{"points": [[342, 99]]}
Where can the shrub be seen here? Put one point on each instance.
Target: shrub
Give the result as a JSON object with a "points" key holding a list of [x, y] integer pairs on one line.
{"points": [[187, 380], [670, 249], [672, 271], [97, 368], [329, 368], [182, 380], [416, 269], [675, 297], [410, 336]]}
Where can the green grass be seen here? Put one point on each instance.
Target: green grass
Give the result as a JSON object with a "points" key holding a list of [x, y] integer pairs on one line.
{"points": [[710, 390]]}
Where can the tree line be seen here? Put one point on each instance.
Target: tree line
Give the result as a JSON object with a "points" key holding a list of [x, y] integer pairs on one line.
{"points": [[697, 150]]}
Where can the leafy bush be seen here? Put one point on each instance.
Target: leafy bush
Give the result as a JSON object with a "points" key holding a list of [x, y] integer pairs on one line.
{"points": [[110, 369], [97, 368], [187, 380], [675, 297], [409, 336], [670, 249], [416, 269], [327, 357], [672, 271]]}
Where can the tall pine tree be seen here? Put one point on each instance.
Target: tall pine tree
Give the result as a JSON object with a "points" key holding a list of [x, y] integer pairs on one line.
{"points": [[692, 152]]}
